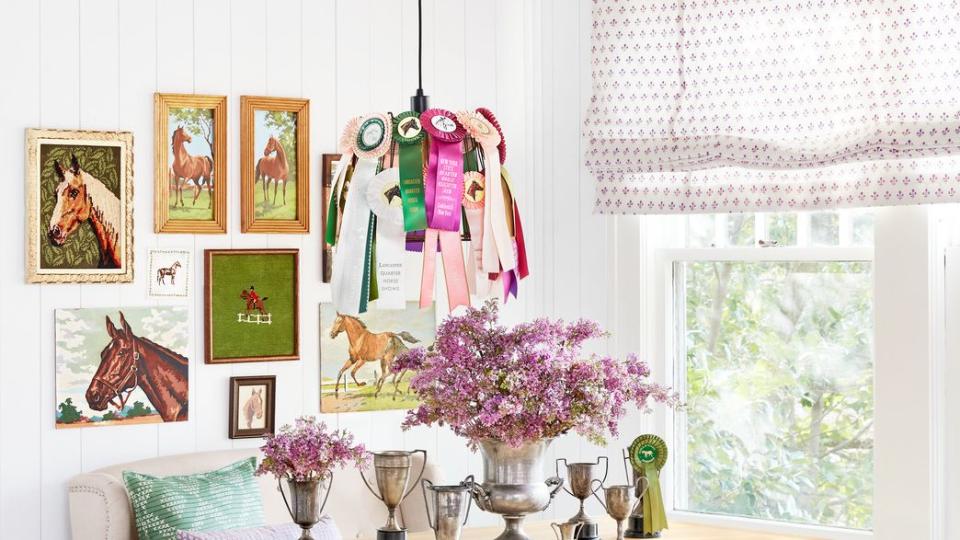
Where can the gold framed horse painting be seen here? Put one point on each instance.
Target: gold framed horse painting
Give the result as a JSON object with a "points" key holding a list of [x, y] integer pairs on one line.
{"points": [[79, 204], [122, 366], [190, 163], [357, 352], [274, 165]]}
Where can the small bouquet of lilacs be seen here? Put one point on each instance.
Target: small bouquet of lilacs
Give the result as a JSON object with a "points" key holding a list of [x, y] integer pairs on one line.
{"points": [[524, 383], [308, 451]]}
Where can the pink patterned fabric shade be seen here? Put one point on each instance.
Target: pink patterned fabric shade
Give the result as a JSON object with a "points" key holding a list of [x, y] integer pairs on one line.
{"points": [[753, 105]]}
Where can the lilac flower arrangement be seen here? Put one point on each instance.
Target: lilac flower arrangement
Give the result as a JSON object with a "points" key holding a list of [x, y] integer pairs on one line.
{"points": [[525, 383], [308, 451]]}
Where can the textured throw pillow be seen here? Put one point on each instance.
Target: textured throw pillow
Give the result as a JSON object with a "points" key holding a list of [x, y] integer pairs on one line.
{"points": [[326, 529], [220, 499]]}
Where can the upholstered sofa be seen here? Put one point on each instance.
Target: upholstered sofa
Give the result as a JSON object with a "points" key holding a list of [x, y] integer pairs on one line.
{"points": [[100, 508]]}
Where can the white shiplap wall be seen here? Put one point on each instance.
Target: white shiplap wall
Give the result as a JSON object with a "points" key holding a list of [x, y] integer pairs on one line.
{"points": [[95, 65]]}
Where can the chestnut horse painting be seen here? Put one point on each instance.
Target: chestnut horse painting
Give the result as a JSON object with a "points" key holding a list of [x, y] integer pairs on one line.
{"points": [[189, 170], [273, 168], [367, 346], [133, 377], [83, 198]]}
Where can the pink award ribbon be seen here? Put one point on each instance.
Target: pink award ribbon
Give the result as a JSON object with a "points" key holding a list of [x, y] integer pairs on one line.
{"points": [[473, 208], [443, 185]]}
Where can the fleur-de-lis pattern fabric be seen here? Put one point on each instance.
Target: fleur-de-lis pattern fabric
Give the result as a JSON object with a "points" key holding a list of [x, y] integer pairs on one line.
{"points": [[752, 105]]}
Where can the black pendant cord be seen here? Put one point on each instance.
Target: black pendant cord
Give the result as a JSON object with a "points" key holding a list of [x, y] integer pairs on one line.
{"points": [[419, 102]]}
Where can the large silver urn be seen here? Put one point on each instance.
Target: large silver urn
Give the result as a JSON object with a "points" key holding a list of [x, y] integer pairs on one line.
{"points": [[514, 484]]}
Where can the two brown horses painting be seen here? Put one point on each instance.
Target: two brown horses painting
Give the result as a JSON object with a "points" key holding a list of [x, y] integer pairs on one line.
{"points": [[189, 169], [367, 346], [81, 197], [273, 168], [130, 361]]}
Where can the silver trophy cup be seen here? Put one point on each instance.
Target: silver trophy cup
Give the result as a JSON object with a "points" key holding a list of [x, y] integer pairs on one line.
{"points": [[581, 476], [451, 508], [304, 503], [620, 502], [392, 471]]}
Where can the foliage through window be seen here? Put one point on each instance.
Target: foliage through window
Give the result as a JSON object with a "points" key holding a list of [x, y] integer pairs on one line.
{"points": [[775, 363]]}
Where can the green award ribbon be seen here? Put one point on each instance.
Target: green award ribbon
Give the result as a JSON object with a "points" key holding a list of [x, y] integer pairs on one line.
{"points": [[648, 454], [409, 134]]}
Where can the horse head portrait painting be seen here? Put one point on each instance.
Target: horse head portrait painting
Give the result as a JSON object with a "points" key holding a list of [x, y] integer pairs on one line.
{"points": [[253, 407], [130, 361], [82, 198]]}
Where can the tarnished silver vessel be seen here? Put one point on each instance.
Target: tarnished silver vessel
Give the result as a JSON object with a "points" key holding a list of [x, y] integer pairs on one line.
{"points": [[580, 478], [514, 484], [304, 503], [451, 508], [392, 473]]}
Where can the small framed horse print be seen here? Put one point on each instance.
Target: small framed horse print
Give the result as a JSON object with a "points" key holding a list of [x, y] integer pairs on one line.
{"points": [[190, 160], [79, 206], [251, 305], [252, 406], [170, 272], [274, 165]]}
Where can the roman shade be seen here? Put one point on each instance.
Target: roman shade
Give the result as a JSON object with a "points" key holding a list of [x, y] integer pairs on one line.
{"points": [[752, 105]]}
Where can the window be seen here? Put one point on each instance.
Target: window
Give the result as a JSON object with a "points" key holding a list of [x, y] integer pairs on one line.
{"points": [[773, 356]]}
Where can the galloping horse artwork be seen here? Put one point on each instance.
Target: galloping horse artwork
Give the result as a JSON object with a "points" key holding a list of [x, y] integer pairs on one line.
{"points": [[273, 168], [362, 350], [133, 372], [189, 170]]}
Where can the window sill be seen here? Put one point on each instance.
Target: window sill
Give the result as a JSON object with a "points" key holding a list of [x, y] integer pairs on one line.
{"points": [[740, 528]]}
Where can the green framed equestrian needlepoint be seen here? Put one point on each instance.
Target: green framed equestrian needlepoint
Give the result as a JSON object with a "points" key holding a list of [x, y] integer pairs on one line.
{"points": [[79, 207], [251, 305]]}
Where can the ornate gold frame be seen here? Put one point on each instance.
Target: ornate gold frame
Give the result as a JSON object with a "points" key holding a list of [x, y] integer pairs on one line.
{"points": [[248, 221], [32, 156], [161, 199]]}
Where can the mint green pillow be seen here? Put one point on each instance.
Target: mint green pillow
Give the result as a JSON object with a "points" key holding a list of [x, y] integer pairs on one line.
{"points": [[220, 499]]}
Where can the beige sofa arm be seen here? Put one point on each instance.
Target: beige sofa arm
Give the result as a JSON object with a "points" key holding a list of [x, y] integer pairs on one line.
{"points": [[94, 500]]}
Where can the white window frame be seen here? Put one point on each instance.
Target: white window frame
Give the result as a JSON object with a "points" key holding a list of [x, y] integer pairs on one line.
{"points": [[904, 268]]}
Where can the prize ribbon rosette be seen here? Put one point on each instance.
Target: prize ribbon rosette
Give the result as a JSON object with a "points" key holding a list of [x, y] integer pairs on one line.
{"points": [[648, 455]]}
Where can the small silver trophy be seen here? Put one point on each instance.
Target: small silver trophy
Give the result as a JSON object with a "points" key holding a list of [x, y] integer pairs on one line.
{"points": [[392, 470], [621, 502], [581, 476], [304, 503], [451, 508]]}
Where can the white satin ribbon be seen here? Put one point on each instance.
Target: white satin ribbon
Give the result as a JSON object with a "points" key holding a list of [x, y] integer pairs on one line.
{"points": [[348, 258], [497, 245], [391, 238]]}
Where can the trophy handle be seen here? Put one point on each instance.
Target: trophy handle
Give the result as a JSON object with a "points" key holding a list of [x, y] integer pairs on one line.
{"points": [[423, 468], [564, 460], [466, 483], [426, 501], [367, 483], [477, 492], [640, 493], [556, 489], [626, 465], [594, 492], [282, 494], [556, 530], [327, 496], [606, 470]]}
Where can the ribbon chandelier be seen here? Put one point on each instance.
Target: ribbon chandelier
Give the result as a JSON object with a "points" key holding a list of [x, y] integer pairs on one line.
{"points": [[426, 180]]}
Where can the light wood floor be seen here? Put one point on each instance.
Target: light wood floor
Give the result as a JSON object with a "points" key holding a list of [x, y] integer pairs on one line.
{"points": [[677, 531]]}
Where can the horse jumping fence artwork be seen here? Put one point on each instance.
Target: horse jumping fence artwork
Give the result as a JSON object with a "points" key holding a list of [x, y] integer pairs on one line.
{"points": [[117, 366], [254, 318]]}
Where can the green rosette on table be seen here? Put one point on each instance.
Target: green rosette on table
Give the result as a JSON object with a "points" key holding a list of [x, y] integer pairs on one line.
{"points": [[648, 455], [409, 134]]}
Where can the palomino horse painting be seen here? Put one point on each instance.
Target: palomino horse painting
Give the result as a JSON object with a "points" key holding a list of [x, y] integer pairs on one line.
{"points": [[272, 168], [79, 207], [356, 354], [190, 171], [121, 366]]}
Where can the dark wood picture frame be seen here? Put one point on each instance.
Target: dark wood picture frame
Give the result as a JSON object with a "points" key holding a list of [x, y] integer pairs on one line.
{"points": [[326, 174], [269, 405], [208, 285]]}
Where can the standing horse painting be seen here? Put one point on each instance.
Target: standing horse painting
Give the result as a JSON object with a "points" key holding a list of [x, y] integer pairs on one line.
{"points": [[273, 168], [132, 378], [81, 197], [171, 271], [189, 170]]}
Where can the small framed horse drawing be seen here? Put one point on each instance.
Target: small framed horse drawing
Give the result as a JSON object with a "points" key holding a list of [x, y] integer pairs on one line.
{"points": [[274, 165], [252, 406], [190, 163], [357, 353], [79, 206], [251, 305], [170, 272], [121, 366]]}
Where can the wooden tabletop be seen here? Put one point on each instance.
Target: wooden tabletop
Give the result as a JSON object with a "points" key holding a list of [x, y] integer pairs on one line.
{"points": [[677, 531]]}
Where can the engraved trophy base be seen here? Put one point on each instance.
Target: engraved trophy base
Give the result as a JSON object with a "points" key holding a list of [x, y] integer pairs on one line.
{"points": [[391, 535], [589, 531], [635, 529]]}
